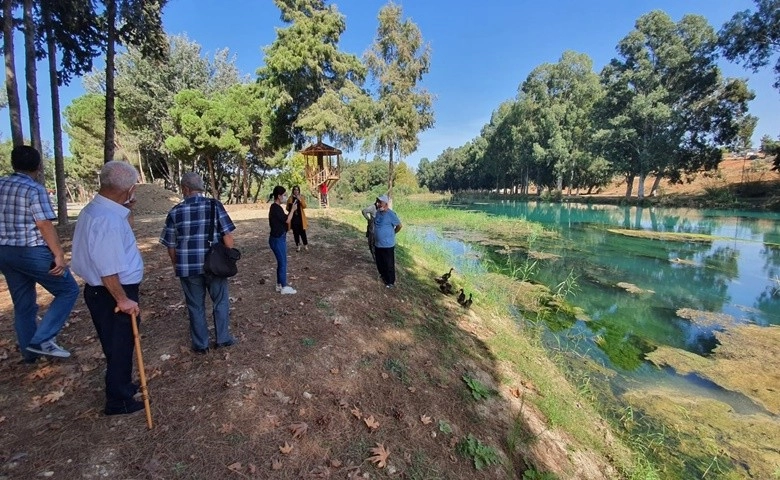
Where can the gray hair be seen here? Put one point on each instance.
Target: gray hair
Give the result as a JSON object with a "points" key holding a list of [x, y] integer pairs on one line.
{"points": [[193, 181], [118, 175]]}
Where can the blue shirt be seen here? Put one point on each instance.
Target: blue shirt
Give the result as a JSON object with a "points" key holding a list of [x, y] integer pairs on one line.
{"points": [[104, 244], [186, 229], [23, 201], [384, 228]]}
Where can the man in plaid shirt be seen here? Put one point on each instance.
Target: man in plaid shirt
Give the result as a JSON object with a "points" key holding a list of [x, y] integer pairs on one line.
{"points": [[30, 254], [185, 234]]}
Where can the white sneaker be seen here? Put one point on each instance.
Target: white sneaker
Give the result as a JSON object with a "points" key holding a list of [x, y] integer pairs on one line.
{"points": [[278, 287], [306, 247], [49, 348], [288, 290], [298, 248]]}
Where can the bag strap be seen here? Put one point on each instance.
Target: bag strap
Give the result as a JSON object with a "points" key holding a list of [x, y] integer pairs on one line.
{"points": [[212, 221]]}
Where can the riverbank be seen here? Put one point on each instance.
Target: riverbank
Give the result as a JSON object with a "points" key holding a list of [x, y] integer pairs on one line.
{"points": [[344, 379]]}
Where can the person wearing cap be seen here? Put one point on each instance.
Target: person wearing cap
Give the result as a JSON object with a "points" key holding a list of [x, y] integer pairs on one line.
{"points": [[277, 239], [386, 225], [186, 236]]}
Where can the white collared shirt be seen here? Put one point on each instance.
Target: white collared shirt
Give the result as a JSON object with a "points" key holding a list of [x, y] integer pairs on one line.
{"points": [[104, 244]]}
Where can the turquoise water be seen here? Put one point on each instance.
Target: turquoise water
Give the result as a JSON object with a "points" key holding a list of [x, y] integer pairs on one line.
{"points": [[734, 275]]}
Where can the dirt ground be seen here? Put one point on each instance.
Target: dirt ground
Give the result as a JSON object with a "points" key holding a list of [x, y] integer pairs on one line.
{"points": [[333, 382]]}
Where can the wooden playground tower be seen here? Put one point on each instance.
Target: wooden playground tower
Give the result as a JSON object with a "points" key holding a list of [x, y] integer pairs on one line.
{"points": [[323, 166]]}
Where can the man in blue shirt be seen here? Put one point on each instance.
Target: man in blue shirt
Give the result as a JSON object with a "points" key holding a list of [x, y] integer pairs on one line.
{"points": [[386, 225], [30, 253], [185, 234]]}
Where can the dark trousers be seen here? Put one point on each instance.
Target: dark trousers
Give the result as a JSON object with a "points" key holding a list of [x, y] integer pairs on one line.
{"points": [[116, 337], [385, 263], [299, 233]]}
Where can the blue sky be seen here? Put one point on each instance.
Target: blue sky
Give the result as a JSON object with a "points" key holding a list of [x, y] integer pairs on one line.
{"points": [[481, 50]]}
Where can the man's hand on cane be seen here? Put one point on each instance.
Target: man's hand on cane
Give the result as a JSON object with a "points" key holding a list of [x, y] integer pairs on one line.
{"points": [[128, 306]]}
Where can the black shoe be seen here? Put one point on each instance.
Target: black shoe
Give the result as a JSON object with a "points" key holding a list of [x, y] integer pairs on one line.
{"points": [[200, 351], [28, 360], [129, 406], [229, 343]]}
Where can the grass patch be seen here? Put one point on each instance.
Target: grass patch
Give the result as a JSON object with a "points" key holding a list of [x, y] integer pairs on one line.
{"points": [[478, 390], [482, 455]]}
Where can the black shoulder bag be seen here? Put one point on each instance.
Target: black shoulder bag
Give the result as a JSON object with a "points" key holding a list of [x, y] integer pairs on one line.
{"points": [[220, 260]]}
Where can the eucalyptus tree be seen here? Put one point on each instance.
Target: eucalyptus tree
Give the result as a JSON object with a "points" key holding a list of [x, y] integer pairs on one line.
{"points": [[562, 96], [754, 37], [497, 154], [136, 23], [315, 88], [667, 109], [397, 61]]}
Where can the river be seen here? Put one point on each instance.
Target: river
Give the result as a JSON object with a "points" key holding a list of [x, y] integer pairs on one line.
{"points": [[733, 276]]}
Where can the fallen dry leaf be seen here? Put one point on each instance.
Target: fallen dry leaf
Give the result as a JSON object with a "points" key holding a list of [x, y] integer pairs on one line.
{"points": [[385, 375], [371, 423], [236, 467], [276, 464], [515, 392], [380, 454], [335, 463], [299, 429], [252, 468], [226, 428], [425, 419], [42, 372], [53, 396], [356, 412], [286, 448], [334, 371]]}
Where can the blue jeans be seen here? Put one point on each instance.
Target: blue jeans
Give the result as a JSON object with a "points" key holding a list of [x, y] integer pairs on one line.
{"points": [[279, 247], [195, 287], [23, 267]]}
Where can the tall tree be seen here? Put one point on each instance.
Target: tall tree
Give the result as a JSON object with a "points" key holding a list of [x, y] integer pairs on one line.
{"points": [[131, 23], [563, 95], [398, 60], [656, 120], [12, 89], [315, 87], [69, 26], [145, 90], [31, 78], [754, 37]]}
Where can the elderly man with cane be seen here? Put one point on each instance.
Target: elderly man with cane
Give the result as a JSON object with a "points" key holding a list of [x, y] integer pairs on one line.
{"points": [[106, 256]]}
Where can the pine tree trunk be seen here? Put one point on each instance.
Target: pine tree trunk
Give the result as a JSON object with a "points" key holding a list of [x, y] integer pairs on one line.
{"points": [[59, 159], [14, 105], [108, 145], [31, 74]]}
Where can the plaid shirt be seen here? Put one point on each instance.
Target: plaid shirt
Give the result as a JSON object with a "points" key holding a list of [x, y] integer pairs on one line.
{"points": [[23, 201], [186, 229]]}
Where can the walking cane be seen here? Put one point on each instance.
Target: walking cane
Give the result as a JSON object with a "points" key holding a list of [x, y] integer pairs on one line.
{"points": [[140, 359], [141, 372]]}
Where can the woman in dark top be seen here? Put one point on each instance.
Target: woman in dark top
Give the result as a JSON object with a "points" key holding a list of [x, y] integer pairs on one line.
{"points": [[277, 240]]}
